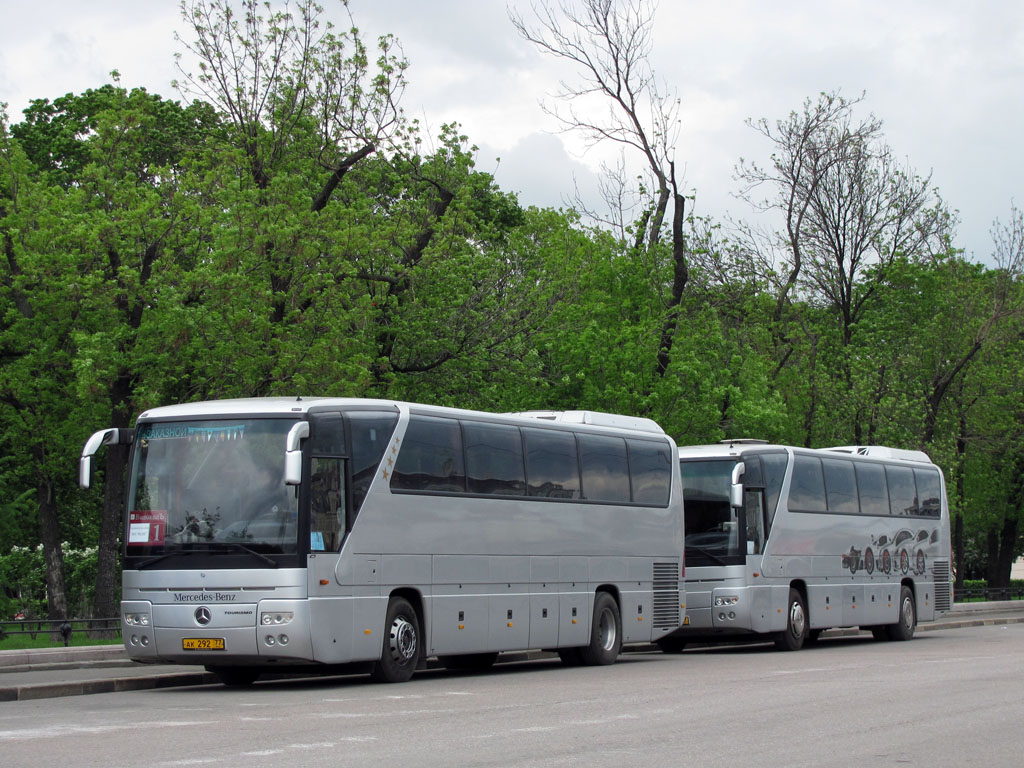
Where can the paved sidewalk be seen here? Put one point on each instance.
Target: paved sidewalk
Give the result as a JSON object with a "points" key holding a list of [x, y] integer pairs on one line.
{"points": [[50, 672]]}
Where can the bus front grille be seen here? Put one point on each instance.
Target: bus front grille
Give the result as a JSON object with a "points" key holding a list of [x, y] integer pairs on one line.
{"points": [[666, 595], [940, 575]]}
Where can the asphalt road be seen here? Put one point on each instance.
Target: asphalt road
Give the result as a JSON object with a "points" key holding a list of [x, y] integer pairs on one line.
{"points": [[948, 698]]}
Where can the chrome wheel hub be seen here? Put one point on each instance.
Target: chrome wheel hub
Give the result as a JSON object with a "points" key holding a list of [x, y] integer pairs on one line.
{"points": [[402, 640]]}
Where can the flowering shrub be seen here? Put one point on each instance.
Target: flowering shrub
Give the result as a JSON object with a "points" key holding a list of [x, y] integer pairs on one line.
{"points": [[23, 580]]}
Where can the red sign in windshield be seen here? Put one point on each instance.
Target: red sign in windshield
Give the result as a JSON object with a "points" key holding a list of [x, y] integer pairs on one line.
{"points": [[147, 527]]}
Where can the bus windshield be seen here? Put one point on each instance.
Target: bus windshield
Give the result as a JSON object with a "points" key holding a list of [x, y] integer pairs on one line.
{"points": [[211, 485], [715, 532]]}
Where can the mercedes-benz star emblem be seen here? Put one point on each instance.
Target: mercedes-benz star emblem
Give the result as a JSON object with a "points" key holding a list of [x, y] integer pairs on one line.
{"points": [[203, 615]]}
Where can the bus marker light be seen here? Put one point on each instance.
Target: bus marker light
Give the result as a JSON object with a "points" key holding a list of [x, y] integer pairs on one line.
{"points": [[324, 582], [574, 621], [510, 625], [462, 626], [367, 631]]}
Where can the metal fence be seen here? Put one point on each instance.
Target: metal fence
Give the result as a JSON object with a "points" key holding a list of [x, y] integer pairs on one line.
{"points": [[62, 630], [980, 594]]}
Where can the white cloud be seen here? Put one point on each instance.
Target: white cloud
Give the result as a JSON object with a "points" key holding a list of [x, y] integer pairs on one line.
{"points": [[945, 76]]}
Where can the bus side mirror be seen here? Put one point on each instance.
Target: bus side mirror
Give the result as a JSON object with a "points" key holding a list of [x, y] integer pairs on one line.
{"points": [[112, 436], [736, 489], [293, 453]]}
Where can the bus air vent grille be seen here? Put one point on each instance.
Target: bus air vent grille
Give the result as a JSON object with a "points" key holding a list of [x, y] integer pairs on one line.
{"points": [[666, 595], [940, 575]]}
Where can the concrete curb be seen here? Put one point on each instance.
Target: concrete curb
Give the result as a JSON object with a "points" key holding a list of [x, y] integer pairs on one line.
{"points": [[112, 657], [32, 691]]}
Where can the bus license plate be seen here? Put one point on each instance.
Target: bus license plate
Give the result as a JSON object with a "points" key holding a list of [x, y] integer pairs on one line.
{"points": [[202, 644]]}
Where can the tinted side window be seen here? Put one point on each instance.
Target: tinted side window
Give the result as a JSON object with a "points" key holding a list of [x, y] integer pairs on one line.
{"points": [[840, 486], [370, 432], [807, 490], [928, 491], [902, 492], [551, 466], [874, 492], [650, 465], [774, 472], [430, 458], [494, 459], [605, 468]]}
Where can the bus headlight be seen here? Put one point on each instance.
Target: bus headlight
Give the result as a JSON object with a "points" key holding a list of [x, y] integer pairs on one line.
{"points": [[276, 618], [137, 619], [726, 600]]}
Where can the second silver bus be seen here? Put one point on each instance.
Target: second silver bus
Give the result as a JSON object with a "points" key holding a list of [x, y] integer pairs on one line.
{"points": [[785, 542]]}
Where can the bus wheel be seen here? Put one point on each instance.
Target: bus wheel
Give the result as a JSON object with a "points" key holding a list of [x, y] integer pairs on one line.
{"points": [[792, 638], [904, 628], [671, 645], [605, 633], [470, 661], [235, 677], [401, 646]]}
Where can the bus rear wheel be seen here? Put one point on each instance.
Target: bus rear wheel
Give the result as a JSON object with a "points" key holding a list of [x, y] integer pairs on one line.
{"points": [[401, 647], [605, 633], [793, 636], [904, 628]]}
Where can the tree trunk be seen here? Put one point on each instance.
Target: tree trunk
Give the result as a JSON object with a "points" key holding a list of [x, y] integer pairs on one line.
{"points": [[105, 600], [49, 531]]}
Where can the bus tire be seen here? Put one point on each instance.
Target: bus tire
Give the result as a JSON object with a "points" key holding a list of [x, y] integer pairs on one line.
{"points": [[793, 636], [235, 677], [605, 633], [904, 628], [671, 645], [400, 650], [476, 662]]}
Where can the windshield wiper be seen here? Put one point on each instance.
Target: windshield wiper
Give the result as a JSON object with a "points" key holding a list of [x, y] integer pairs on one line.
{"points": [[707, 553], [212, 547], [157, 558]]}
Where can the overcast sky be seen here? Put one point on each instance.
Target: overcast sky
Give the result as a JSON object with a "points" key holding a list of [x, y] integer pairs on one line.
{"points": [[945, 77]]}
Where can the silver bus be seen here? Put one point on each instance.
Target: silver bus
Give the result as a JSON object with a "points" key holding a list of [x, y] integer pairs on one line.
{"points": [[302, 534], [785, 542]]}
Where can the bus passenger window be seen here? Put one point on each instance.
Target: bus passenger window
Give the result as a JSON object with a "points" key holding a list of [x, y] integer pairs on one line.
{"points": [[774, 473], [326, 505], [928, 491], [551, 466], [902, 492], [494, 459], [807, 490], [840, 486], [371, 433], [431, 457], [605, 468], [874, 493], [650, 466]]}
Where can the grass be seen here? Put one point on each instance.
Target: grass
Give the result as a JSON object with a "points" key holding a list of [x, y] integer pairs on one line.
{"points": [[45, 640]]}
